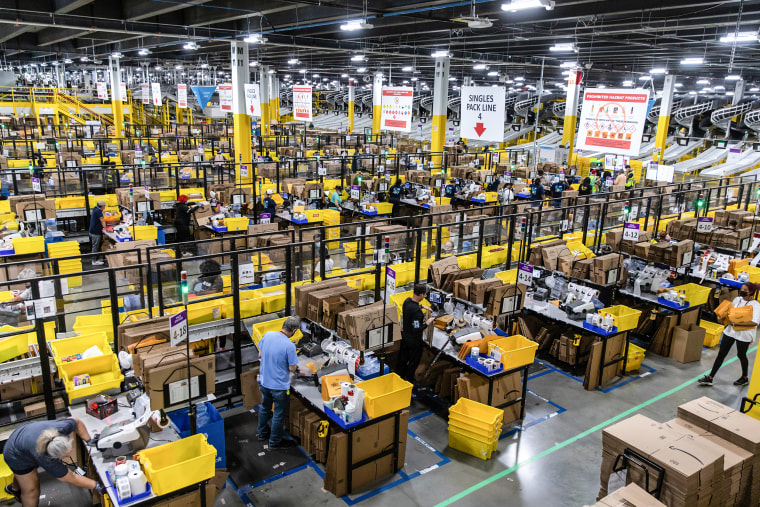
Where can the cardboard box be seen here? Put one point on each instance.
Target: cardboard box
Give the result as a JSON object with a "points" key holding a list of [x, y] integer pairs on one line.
{"points": [[35, 409], [642, 249], [686, 346], [496, 295], [478, 289], [681, 253], [443, 267], [333, 305], [630, 495], [462, 288], [550, 255], [582, 269], [164, 377], [250, 388], [315, 308], [302, 292], [354, 324], [24, 387]]}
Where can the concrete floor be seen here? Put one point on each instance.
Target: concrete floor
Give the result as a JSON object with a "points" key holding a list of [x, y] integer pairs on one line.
{"points": [[554, 461]]}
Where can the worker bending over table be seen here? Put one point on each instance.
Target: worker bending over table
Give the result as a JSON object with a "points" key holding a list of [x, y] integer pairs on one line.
{"points": [[413, 326]]}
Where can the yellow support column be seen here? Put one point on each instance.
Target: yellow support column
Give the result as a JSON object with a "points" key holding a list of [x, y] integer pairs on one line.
{"points": [[264, 92], [116, 103], [440, 106], [351, 100], [666, 104], [241, 122], [273, 94], [377, 102], [571, 112]]}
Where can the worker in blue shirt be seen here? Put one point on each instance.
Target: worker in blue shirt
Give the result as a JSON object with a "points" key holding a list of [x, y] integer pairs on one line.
{"points": [[277, 359], [537, 193], [559, 186], [270, 206], [97, 224]]}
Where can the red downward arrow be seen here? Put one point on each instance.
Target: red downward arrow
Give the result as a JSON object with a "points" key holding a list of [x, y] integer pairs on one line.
{"points": [[479, 129], [252, 109]]}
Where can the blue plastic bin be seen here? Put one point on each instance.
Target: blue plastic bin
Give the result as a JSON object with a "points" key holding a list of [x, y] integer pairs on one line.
{"points": [[209, 422]]}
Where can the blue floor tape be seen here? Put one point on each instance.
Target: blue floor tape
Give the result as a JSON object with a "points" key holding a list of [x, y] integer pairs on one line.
{"points": [[532, 421], [629, 380], [420, 416]]}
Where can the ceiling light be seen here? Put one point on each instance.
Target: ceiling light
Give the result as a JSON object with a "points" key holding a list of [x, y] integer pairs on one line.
{"points": [[355, 24], [517, 5], [719, 87], [479, 66], [692, 93], [678, 84], [730, 93], [253, 63], [315, 75], [414, 79], [703, 82], [158, 67], [293, 61], [144, 52], [509, 81], [302, 71], [452, 78], [493, 73], [563, 48], [83, 59], [404, 82], [271, 71], [754, 89], [116, 54], [733, 77], [740, 37], [568, 73], [645, 78], [440, 53], [357, 58], [627, 82], [190, 45], [178, 67], [408, 68], [568, 65], [68, 60], [658, 70], [519, 79], [204, 65], [286, 76], [325, 79], [43, 64], [361, 69], [344, 75], [254, 38], [693, 61], [601, 86]]}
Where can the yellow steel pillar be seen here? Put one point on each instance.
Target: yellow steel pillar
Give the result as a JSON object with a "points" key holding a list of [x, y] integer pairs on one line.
{"points": [[241, 122], [116, 99], [264, 92], [377, 102], [351, 100], [274, 86], [571, 112], [440, 107], [666, 104]]}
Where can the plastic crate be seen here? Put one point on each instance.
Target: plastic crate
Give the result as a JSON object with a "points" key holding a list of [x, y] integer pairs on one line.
{"points": [[206, 311], [272, 325], [713, 333], [77, 345], [385, 394], [14, 346], [635, 357], [509, 276], [70, 202], [477, 432], [624, 318], [272, 299], [210, 424], [384, 207], [398, 299], [236, 224], [179, 464], [695, 294], [88, 324], [168, 195], [472, 446], [477, 416], [142, 232], [248, 307], [516, 350], [35, 244], [104, 375], [6, 477]]}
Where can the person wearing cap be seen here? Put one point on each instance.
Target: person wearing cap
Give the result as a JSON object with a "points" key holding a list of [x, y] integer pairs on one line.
{"points": [[270, 205], [630, 180], [559, 186], [97, 224], [620, 178], [182, 213], [413, 325]]}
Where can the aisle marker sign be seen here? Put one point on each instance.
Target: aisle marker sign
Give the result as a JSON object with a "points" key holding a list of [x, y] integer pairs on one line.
{"points": [[182, 95], [525, 274], [225, 96], [631, 232], [396, 110], [704, 224], [123, 91], [613, 120], [156, 88], [252, 99], [390, 284], [145, 92], [302, 103], [178, 328], [102, 91], [482, 113]]}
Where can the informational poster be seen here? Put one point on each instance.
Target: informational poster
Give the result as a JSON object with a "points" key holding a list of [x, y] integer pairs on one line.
{"points": [[145, 89], [613, 120], [182, 95], [482, 113], [102, 91], [156, 87], [659, 172], [123, 91], [396, 111], [252, 99], [302, 103], [225, 96]]}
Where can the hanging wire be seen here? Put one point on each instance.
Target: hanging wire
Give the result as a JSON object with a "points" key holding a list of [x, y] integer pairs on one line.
{"points": [[736, 35]]}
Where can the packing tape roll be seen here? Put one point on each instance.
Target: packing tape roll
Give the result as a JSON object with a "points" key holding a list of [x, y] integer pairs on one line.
{"points": [[122, 486], [138, 482], [157, 420]]}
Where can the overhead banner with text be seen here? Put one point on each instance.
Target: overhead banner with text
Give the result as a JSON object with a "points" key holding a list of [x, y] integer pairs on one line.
{"points": [[302, 103], [396, 111], [612, 120], [182, 95], [102, 91], [156, 87], [482, 114], [123, 92], [145, 92], [225, 96], [252, 99]]}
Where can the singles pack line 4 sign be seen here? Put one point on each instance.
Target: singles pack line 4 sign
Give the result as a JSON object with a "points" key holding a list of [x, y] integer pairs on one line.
{"points": [[482, 113], [396, 110], [613, 120]]}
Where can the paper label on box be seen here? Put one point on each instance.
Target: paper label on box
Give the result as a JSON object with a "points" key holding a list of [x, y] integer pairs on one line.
{"points": [[178, 390], [612, 276], [246, 273], [687, 256], [508, 304]]}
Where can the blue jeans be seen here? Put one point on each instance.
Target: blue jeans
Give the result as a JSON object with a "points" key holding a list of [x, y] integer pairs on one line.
{"points": [[95, 240], [280, 400]]}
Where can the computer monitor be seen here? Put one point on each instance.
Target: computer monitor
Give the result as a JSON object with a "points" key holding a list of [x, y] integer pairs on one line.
{"points": [[435, 297]]}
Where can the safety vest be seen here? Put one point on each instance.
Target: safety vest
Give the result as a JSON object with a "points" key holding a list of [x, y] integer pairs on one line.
{"points": [[630, 181]]}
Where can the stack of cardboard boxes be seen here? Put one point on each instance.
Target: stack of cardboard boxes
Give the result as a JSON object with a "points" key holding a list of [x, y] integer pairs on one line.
{"points": [[605, 269]]}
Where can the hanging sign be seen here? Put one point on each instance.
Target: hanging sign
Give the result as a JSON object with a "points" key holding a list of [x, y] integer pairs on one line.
{"points": [[102, 91], [525, 274], [704, 224], [225, 96], [123, 91], [396, 110], [302, 103], [182, 95], [203, 94], [178, 328], [252, 99], [145, 92], [482, 113], [156, 87], [613, 120], [631, 232]]}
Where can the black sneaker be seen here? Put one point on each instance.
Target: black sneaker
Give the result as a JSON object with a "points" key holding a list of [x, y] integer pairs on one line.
{"points": [[705, 381], [285, 443], [742, 381], [9, 489], [261, 438]]}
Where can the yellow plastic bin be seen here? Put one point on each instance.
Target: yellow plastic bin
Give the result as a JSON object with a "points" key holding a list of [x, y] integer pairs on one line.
{"points": [[635, 357], [178, 464], [474, 415], [272, 325], [713, 332], [13, 346], [515, 350], [385, 394], [695, 294], [70, 346], [144, 232], [623, 317], [104, 375], [236, 224], [6, 478], [474, 446], [35, 244]]}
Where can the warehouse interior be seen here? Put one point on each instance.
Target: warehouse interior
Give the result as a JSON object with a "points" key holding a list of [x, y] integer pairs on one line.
{"points": [[364, 252]]}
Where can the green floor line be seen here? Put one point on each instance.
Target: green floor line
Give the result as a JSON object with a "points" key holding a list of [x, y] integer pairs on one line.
{"points": [[577, 437]]}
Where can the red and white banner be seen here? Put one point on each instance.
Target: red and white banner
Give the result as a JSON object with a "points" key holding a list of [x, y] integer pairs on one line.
{"points": [[396, 111], [302, 103], [156, 88], [102, 91], [225, 96], [182, 95], [613, 120], [123, 91], [145, 92]]}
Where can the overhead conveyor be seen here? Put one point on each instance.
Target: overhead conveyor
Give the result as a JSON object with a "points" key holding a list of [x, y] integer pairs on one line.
{"points": [[709, 157], [746, 160], [512, 135], [676, 151], [722, 117]]}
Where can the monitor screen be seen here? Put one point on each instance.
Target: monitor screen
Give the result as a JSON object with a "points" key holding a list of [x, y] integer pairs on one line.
{"points": [[434, 297]]}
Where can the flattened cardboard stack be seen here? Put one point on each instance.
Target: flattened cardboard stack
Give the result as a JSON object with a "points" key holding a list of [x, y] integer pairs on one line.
{"points": [[505, 389], [352, 325], [302, 293], [631, 495]]}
